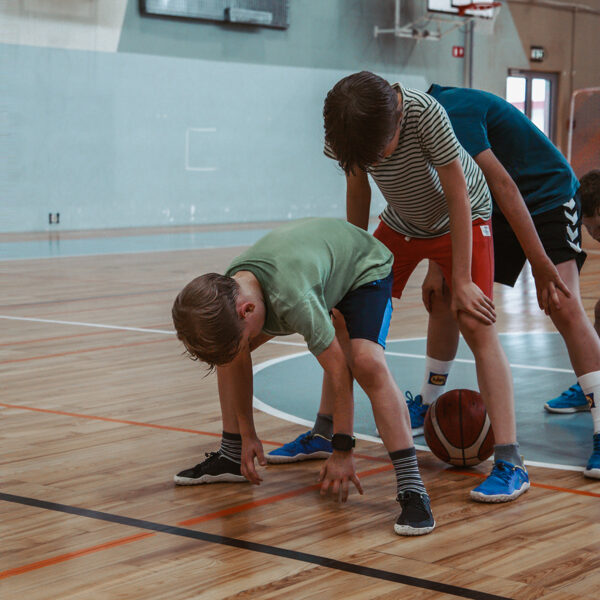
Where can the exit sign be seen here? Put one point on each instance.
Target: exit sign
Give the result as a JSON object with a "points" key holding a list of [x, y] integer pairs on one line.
{"points": [[536, 53]]}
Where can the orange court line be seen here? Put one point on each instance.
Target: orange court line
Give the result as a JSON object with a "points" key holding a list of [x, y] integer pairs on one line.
{"points": [[208, 517], [271, 499], [209, 433], [540, 485], [84, 350], [70, 555], [122, 421]]}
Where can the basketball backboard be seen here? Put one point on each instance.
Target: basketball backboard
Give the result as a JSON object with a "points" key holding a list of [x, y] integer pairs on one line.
{"points": [[456, 7]]}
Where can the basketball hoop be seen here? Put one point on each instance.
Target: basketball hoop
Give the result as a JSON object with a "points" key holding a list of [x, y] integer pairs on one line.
{"points": [[483, 15], [476, 6]]}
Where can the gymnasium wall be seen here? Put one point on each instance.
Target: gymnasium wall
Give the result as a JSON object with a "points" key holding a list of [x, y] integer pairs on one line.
{"points": [[116, 120]]}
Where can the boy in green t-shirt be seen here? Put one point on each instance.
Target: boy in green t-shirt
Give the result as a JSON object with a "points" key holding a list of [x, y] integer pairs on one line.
{"points": [[294, 280]]}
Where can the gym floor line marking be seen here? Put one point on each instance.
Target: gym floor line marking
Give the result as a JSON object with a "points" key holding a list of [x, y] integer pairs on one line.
{"points": [[204, 518], [276, 551], [54, 338], [86, 298], [284, 343], [70, 555], [122, 328], [80, 351], [279, 444], [275, 412]]}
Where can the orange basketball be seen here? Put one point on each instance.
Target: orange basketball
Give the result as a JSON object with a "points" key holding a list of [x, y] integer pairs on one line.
{"points": [[458, 430]]}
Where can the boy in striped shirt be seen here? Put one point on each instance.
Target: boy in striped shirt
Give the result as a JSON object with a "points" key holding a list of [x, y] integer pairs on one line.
{"points": [[438, 208]]}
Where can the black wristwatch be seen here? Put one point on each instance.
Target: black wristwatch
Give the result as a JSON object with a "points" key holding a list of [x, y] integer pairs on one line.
{"points": [[343, 442]]}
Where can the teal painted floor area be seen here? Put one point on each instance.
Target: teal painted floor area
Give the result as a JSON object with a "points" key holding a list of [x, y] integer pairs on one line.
{"points": [[293, 386], [53, 247]]}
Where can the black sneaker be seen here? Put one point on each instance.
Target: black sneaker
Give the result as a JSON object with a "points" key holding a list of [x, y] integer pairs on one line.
{"points": [[216, 468], [416, 517]]}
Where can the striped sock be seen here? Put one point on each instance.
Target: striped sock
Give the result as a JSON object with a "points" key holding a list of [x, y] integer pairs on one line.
{"points": [[407, 471], [231, 447]]}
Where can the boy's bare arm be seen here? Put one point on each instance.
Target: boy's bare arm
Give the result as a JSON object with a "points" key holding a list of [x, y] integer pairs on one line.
{"points": [[466, 296], [358, 199], [511, 203], [235, 394], [339, 469]]}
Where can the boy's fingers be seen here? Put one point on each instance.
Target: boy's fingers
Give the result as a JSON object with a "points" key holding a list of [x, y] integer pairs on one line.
{"points": [[357, 483], [260, 455], [344, 490]]}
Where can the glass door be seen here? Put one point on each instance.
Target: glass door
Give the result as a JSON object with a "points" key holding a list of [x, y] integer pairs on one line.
{"points": [[534, 94]]}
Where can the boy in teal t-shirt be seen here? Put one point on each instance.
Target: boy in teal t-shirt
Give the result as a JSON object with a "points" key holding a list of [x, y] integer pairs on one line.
{"points": [[331, 282]]}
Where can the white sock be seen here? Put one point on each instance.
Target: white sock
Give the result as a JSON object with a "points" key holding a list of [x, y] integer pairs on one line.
{"points": [[436, 375], [590, 384]]}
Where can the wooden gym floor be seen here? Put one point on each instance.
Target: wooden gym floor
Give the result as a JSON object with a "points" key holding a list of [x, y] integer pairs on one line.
{"points": [[96, 420]]}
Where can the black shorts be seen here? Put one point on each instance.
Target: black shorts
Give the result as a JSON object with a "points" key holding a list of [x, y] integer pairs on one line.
{"points": [[559, 230], [367, 310]]}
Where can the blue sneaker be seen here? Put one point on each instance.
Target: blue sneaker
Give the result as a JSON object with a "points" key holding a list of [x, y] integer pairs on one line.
{"points": [[506, 482], [417, 411], [305, 447], [570, 401], [593, 467]]}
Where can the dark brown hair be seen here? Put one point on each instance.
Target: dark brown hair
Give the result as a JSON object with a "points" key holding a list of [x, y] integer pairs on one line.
{"points": [[361, 115], [590, 193], [206, 319]]}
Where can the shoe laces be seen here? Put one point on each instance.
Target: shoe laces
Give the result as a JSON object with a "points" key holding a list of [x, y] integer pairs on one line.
{"points": [[211, 457], [414, 500], [503, 471], [414, 403]]}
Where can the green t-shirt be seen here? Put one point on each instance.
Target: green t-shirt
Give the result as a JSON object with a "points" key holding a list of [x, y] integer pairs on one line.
{"points": [[305, 268]]}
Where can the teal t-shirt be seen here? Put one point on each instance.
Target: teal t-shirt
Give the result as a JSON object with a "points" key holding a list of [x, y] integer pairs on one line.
{"points": [[305, 268], [482, 120]]}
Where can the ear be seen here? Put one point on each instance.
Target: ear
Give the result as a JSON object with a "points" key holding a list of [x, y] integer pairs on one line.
{"points": [[245, 309]]}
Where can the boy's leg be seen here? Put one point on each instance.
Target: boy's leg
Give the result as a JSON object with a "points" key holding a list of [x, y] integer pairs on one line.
{"points": [[583, 345], [315, 443], [367, 313], [408, 252], [508, 478], [224, 465], [370, 370], [442, 343]]}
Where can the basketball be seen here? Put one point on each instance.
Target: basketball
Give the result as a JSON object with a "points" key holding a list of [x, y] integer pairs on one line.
{"points": [[458, 430]]}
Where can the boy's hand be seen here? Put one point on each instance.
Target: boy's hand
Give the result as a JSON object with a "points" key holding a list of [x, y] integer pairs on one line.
{"points": [[467, 297], [338, 471], [251, 447], [433, 285], [547, 284]]}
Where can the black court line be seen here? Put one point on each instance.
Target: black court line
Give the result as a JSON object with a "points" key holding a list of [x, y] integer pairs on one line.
{"points": [[314, 559]]}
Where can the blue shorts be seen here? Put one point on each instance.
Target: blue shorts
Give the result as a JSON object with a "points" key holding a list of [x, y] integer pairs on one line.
{"points": [[367, 310]]}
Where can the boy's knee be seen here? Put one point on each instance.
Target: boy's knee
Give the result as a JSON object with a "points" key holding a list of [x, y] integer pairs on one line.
{"points": [[570, 314], [470, 327], [368, 369]]}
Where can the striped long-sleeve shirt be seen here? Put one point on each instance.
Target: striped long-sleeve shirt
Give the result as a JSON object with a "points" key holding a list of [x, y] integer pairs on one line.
{"points": [[408, 179]]}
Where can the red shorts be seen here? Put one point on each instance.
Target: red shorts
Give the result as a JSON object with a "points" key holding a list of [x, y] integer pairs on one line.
{"points": [[409, 252]]}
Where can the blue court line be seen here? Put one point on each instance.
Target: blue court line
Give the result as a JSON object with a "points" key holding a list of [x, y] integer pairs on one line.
{"points": [[160, 242], [314, 559]]}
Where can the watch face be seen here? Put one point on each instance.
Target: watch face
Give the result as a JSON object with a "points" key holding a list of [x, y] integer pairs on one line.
{"points": [[342, 441]]}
